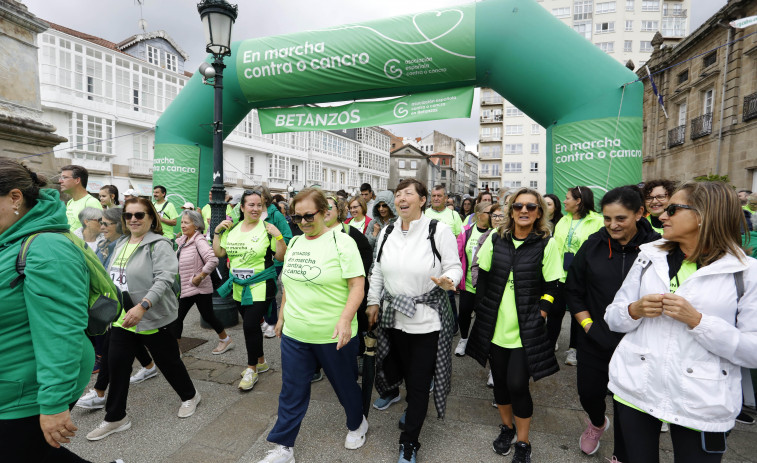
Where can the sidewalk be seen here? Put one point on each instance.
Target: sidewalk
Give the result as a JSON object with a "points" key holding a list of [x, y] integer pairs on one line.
{"points": [[230, 426]]}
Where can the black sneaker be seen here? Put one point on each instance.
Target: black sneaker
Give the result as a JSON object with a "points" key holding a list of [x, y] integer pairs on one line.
{"points": [[522, 453], [502, 445], [744, 418], [408, 452]]}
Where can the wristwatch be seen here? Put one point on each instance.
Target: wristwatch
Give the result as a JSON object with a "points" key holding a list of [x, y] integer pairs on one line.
{"points": [[145, 305]]}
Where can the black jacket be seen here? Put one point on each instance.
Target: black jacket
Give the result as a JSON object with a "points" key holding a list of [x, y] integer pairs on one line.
{"points": [[596, 274], [526, 263], [366, 255]]}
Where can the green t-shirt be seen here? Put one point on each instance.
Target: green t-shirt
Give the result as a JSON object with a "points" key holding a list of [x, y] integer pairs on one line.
{"points": [[118, 275], [206, 214], [74, 207], [168, 213], [246, 252], [470, 250], [447, 216], [507, 330], [315, 275]]}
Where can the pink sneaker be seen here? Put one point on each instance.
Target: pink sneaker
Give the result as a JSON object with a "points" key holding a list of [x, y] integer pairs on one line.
{"points": [[589, 441]]}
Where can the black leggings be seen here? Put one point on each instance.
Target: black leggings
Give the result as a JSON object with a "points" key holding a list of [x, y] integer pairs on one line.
{"points": [[467, 301], [204, 305], [637, 439], [556, 314], [253, 337], [103, 377], [592, 379], [510, 374], [23, 442]]}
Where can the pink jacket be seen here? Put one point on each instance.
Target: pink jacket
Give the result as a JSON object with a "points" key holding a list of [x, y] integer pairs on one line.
{"points": [[195, 257]]}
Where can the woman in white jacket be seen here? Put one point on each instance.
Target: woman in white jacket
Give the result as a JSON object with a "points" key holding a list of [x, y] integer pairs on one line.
{"points": [[689, 310]]}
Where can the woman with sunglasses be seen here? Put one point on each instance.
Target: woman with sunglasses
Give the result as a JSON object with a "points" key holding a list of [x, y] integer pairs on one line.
{"points": [[321, 265], [467, 245], [688, 311], [144, 268], [571, 231], [519, 266], [384, 213], [597, 272], [657, 193], [251, 246]]}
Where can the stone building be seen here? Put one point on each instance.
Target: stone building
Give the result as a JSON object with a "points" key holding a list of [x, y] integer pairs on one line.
{"points": [[408, 161], [709, 89]]}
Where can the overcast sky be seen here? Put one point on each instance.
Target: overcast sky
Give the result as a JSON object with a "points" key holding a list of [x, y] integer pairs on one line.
{"points": [[115, 20]]}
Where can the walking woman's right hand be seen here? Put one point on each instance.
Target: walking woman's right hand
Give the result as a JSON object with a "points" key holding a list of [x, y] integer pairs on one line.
{"points": [[372, 312], [279, 327], [649, 306]]}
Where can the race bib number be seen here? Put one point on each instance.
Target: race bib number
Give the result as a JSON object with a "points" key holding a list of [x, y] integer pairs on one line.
{"points": [[243, 273], [118, 275]]}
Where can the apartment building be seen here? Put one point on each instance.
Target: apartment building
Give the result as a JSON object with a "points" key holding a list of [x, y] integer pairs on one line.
{"points": [[512, 147]]}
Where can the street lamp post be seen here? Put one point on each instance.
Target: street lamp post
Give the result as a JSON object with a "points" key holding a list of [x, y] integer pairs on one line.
{"points": [[217, 16]]}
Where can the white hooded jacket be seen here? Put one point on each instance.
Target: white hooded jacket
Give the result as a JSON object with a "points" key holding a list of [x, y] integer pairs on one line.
{"points": [[688, 377]]}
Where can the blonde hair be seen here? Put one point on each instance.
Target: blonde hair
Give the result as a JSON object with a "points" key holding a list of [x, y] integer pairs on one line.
{"points": [[360, 201], [721, 221], [540, 227]]}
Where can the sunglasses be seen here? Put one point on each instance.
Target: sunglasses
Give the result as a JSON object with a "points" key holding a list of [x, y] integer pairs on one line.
{"points": [[672, 208], [308, 217], [136, 215], [107, 224], [383, 205], [530, 207], [253, 192]]}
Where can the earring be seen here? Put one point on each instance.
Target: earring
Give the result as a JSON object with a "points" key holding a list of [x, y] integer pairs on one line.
{"points": [[15, 209], [15, 212]]}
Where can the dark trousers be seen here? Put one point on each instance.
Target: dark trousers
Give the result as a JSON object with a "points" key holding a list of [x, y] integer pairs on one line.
{"points": [[412, 357], [637, 439], [467, 301], [556, 314], [23, 442], [298, 360], [165, 350], [510, 374], [592, 379], [204, 305], [274, 317], [253, 337], [103, 377], [451, 295]]}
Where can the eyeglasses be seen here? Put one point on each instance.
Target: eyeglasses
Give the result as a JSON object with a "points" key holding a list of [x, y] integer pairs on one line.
{"points": [[308, 217], [658, 198], [107, 224], [136, 215], [530, 207], [672, 208], [498, 216]]}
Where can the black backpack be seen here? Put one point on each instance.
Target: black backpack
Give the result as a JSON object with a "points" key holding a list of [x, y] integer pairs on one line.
{"points": [[431, 233]]}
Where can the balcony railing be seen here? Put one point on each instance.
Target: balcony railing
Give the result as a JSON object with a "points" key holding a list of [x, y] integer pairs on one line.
{"points": [[230, 178], [701, 126], [98, 165], [140, 167], [489, 138], [489, 119], [491, 101], [750, 106], [491, 155], [677, 136], [674, 13], [252, 179]]}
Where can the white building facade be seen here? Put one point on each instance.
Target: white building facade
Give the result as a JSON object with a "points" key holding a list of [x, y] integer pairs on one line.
{"points": [[512, 147], [106, 98]]}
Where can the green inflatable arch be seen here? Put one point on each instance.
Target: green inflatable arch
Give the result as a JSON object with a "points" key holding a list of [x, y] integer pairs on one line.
{"points": [[516, 47]]}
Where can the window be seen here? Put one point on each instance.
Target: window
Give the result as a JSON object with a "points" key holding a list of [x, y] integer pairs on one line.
{"points": [[515, 148], [629, 5], [250, 165], [707, 101], [491, 151], [683, 77], [629, 25], [582, 10], [682, 114], [401, 163], [279, 167], [673, 27], [89, 133], [534, 167], [607, 47], [710, 59], [512, 111], [171, 62], [645, 46], [511, 184], [649, 26], [153, 55], [533, 184], [605, 7], [561, 12], [650, 5], [444, 173], [535, 129], [140, 146], [413, 164], [602, 28], [583, 28], [672, 9], [295, 173], [514, 129], [628, 45], [534, 148], [510, 167]]}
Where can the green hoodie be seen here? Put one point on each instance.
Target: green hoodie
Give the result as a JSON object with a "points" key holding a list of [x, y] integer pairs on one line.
{"points": [[45, 357]]}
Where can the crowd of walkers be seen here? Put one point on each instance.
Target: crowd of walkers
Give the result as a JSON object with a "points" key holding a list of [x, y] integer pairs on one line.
{"points": [[658, 282]]}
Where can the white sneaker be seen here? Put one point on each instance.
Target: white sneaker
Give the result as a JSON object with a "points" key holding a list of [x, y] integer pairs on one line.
{"points": [[270, 332], [665, 427], [280, 454], [460, 349], [355, 439], [264, 326], [490, 381], [557, 346], [143, 374], [570, 358], [188, 407], [106, 428], [91, 400]]}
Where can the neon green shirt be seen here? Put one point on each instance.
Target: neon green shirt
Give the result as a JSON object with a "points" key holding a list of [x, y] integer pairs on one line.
{"points": [[507, 329], [570, 234], [206, 214], [118, 275], [169, 212], [246, 252], [315, 275], [74, 207], [447, 216], [470, 250]]}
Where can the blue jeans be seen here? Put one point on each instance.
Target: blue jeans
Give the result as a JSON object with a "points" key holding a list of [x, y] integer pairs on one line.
{"points": [[298, 362]]}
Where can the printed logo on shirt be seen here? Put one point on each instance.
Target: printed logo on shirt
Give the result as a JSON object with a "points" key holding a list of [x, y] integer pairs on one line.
{"points": [[301, 267]]}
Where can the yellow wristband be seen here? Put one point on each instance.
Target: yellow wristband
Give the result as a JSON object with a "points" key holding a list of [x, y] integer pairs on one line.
{"points": [[549, 298], [586, 321], [279, 238]]}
